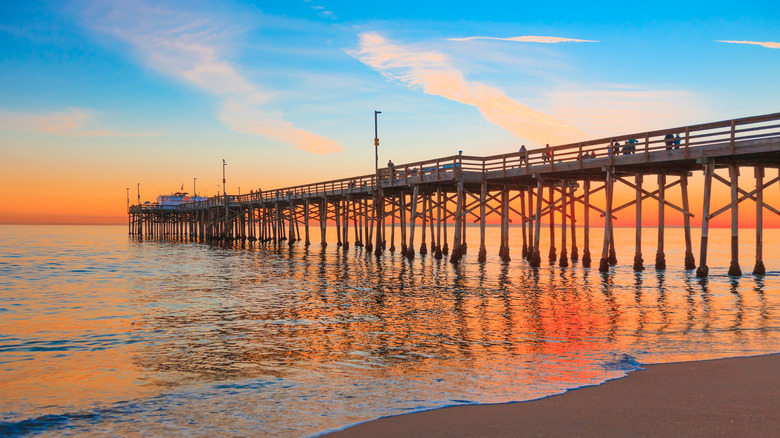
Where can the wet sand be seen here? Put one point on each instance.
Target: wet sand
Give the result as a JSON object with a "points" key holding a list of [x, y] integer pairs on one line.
{"points": [[727, 397]]}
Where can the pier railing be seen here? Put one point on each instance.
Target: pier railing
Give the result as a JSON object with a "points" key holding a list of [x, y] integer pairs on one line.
{"points": [[684, 138]]}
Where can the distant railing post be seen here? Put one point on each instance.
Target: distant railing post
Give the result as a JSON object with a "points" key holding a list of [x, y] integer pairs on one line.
{"points": [[647, 147], [733, 134], [503, 170], [687, 140], [579, 155]]}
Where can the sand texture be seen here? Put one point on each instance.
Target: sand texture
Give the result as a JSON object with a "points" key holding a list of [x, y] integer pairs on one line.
{"points": [[728, 397]]}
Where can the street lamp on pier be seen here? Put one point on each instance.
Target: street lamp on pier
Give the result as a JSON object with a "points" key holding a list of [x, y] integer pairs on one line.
{"points": [[376, 143], [139, 193], [194, 191]]}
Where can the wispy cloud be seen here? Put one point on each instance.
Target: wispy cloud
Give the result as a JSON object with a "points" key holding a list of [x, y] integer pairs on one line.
{"points": [[72, 122], [432, 72], [767, 44], [526, 39], [186, 46]]}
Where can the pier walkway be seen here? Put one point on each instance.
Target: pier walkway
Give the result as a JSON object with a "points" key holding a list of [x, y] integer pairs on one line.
{"points": [[533, 185]]}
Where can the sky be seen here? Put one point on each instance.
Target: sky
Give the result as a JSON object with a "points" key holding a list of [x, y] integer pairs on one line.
{"points": [[98, 97]]}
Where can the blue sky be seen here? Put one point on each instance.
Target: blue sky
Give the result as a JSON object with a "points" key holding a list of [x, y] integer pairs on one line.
{"points": [[285, 91]]}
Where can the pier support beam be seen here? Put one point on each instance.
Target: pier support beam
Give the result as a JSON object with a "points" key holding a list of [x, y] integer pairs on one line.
{"points": [[690, 262], [456, 240], [703, 270], [504, 252], [413, 217], [604, 262], [425, 205], [482, 256], [536, 257], [574, 254], [734, 269], [660, 257], [524, 223], [564, 260], [439, 206], [638, 266], [586, 261], [323, 221], [759, 268], [552, 255]]}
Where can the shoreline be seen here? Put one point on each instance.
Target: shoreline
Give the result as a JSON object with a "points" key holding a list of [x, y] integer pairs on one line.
{"points": [[719, 397]]}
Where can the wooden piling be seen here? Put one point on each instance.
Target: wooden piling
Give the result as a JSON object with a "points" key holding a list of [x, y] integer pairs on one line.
{"points": [[690, 262], [439, 207], [660, 257], [759, 269], [424, 225], [536, 257], [703, 270], [482, 256], [551, 205], [734, 269], [564, 260], [604, 262], [523, 223], [412, 219], [574, 253], [638, 266], [456, 242]]}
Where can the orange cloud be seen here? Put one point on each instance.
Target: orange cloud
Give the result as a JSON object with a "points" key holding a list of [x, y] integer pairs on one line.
{"points": [[767, 44], [73, 122], [432, 72], [527, 39]]}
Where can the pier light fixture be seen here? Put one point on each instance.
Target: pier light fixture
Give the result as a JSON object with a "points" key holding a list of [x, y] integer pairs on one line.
{"points": [[376, 143], [194, 188], [223, 176], [139, 193]]}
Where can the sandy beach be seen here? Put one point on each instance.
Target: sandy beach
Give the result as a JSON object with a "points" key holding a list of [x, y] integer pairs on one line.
{"points": [[737, 397]]}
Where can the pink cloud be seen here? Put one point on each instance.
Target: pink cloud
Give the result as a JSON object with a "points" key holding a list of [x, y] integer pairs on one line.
{"points": [[526, 39], [433, 73]]}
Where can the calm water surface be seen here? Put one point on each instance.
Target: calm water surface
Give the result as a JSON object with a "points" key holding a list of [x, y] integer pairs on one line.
{"points": [[104, 335]]}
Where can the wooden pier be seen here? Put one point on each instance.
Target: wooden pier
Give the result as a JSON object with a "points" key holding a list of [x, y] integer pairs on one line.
{"points": [[418, 200]]}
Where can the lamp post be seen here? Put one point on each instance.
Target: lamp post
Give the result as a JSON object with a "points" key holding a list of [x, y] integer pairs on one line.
{"points": [[194, 191], [139, 193], [376, 143], [239, 191], [224, 191], [129, 224]]}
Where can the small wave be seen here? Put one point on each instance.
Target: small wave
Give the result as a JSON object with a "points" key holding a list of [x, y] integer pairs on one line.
{"points": [[622, 362]]}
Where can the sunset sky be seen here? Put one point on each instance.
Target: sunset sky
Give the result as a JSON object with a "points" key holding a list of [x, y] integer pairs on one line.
{"points": [[98, 96]]}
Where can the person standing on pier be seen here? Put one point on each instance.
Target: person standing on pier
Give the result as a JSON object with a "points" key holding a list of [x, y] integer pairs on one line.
{"points": [[547, 154], [523, 155], [669, 140], [391, 166]]}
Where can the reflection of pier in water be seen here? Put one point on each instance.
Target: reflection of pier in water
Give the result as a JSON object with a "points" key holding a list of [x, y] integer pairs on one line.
{"points": [[425, 196], [355, 310]]}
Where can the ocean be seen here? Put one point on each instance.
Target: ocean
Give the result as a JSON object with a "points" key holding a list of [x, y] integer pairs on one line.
{"points": [[103, 334]]}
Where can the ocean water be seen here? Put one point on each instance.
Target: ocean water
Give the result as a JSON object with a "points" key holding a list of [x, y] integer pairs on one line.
{"points": [[102, 334]]}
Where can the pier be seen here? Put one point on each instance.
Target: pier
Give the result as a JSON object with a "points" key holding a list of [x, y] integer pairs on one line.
{"points": [[412, 204]]}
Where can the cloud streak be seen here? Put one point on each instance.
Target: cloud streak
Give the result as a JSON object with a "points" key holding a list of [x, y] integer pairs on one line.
{"points": [[73, 122], [186, 47], [767, 44], [527, 39], [432, 72]]}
